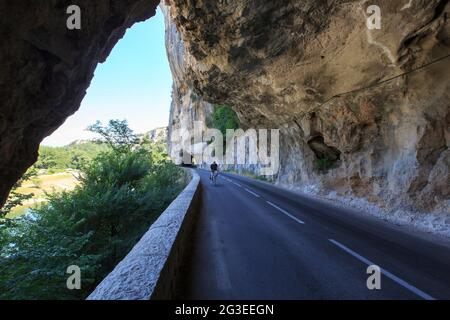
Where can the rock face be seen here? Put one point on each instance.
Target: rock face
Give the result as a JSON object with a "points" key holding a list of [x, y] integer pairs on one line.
{"points": [[158, 135], [315, 70], [187, 106], [310, 68], [46, 68]]}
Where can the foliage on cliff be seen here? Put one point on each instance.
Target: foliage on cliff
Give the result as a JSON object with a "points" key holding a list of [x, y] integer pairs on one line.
{"points": [[224, 118]]}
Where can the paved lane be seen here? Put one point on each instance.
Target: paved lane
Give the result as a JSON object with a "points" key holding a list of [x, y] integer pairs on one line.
{"points": [[256, 241]]}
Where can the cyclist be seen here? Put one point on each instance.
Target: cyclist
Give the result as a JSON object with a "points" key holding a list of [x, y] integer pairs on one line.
{"points": [[214, 171]]}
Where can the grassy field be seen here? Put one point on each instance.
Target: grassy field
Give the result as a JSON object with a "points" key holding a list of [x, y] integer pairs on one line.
{"points": [[41, 185]]}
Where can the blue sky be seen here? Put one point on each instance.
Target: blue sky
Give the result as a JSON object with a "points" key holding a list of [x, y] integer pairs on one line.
{"points": [[134, 83]]}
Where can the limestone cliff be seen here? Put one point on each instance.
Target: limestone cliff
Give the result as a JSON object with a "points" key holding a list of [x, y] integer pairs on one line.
{"points": [[187, 106], [157, 135], [313, 69]]}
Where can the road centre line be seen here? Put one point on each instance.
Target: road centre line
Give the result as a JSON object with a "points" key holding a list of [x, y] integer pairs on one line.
{"points": [[253, 193], [285, 212], [391, 276]]}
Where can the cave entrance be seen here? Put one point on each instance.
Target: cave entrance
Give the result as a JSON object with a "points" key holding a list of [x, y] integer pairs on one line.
{"points": [[327, 157], [133, 84]]}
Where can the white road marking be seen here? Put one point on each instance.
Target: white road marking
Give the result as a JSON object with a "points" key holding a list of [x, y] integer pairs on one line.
{"points": [[236, 184], [285, 212], [391, 276], [250, 191]]}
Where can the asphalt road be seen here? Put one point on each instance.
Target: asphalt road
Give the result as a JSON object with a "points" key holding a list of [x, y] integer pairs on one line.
{"points": [[257, 241]]}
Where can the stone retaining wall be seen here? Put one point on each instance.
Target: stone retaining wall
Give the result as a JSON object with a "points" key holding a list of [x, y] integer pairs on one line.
{"points": [[151, 269]]}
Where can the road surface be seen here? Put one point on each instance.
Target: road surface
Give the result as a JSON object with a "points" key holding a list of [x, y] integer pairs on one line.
{"points": [[256, 241]]}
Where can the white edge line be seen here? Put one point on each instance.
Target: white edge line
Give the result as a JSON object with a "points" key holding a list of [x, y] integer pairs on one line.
{"points": [[391, 276], [236, 184], [250, 191], [285, 212]]}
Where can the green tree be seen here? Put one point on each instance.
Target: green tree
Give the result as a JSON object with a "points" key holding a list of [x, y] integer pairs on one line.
{"points": [[224, 118], [116, 134], [46, 159], [94, 226]]}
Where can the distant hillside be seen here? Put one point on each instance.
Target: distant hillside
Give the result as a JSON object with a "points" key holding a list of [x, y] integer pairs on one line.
{"points": [[79, 142], [57, 159], [158, 135]]}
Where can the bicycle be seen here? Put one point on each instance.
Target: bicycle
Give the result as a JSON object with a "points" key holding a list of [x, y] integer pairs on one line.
{"points": [[214, 176]]}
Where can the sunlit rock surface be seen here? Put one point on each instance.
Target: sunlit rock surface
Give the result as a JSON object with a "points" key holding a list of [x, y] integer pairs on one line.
{"points": [[289, 64], [187, 106]]}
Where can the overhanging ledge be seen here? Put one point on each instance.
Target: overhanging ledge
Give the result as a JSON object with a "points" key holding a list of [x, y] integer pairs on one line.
{"points": [[151, 269]]}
